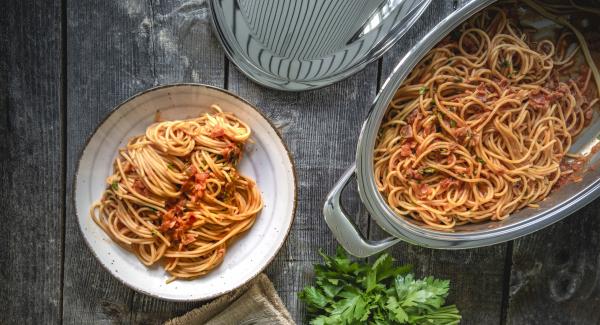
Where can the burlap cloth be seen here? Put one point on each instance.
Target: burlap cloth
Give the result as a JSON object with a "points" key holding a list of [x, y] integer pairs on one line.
{"points": [[256, 302]]}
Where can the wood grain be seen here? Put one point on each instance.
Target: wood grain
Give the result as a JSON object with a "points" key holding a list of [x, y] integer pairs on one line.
{"points": [[320, 128], [31, 201], [118, 48], [476, 275], [136, 45], [555, 276]]}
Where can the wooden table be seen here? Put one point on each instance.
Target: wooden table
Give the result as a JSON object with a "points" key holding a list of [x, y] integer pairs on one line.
{"points": [[64, 65]]}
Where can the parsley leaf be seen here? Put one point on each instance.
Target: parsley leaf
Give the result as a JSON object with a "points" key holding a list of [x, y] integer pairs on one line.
{"points": [[452, 123], [115, 185], [423, 90], [348, 292], [428, 171], [314, 297], [455, 34]]}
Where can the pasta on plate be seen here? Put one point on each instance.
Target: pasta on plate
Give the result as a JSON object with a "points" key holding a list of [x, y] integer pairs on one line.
{"points": [[176, 195]]}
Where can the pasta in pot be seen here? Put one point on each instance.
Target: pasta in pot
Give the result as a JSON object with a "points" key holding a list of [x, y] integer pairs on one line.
{"points": [[482, 125]]}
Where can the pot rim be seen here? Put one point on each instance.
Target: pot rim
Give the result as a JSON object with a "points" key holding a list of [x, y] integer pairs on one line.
{"points": [[410, 231]]}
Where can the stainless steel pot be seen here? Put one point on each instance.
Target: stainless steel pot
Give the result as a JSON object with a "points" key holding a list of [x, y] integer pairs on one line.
{"points": [[561, 203]]}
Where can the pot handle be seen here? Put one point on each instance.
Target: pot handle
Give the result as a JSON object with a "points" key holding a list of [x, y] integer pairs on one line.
{"points": [[343, 228]]}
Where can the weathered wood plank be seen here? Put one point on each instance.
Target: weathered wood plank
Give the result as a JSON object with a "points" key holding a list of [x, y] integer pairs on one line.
{"points": [[31, 169], [153, 43], [477, 276], [137, 44], [555, 276], [321, 129]]}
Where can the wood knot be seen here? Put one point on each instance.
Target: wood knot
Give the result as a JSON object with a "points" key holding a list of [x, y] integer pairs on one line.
{"points": [[113, 311], [561, 258], [564, 286]]}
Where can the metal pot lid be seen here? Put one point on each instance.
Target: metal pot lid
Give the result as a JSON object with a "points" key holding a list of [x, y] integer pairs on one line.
{"points": [[306, 44]]}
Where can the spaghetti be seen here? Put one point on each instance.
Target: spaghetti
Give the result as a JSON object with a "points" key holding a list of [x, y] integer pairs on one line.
{"points": [[176, 195], [482, 125]]}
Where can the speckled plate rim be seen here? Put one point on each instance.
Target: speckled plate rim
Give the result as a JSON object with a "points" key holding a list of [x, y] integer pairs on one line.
{"points": [[173, 85]]}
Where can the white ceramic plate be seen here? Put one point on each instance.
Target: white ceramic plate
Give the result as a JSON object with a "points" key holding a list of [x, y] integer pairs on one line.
{"points": [[266, 160]]}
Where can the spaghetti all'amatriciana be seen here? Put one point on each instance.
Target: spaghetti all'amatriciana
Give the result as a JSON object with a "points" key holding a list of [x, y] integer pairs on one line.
{"points": [[482, 125], [176, 196]]}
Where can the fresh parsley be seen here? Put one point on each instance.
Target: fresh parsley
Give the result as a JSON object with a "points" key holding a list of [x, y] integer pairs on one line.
{"points": [[423, 90], [480, 160], [452, 123], [349, 292], [115, 185], [428, 171], [455, 34]]}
